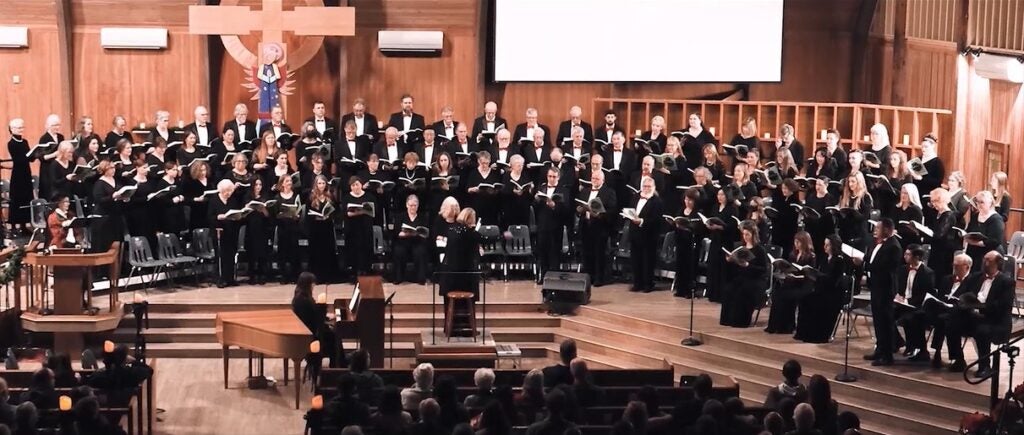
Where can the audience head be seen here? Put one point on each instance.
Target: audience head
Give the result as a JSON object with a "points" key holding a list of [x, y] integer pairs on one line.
{"points": [[567, 351], [648, 395], [483, 378], [819, 391], [347, 385], [359, 361], [556, 403], [534, 381], [715, 409], [962, 265], [636, 413], [579, 370], [390, 400], [992, 263], [847, 420], [352, 430], [706, 425], [26, 417], [423, 375], [774, 424], [429, 410], [792, 371], [88, 408], [4, 429], [686, 412], [446, 392], [43, 378], [803, 417], [467, 217], [493, 419], [734, 407], [702, 386], [786, 407]]}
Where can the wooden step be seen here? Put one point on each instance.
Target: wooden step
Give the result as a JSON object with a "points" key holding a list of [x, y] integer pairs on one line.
{"points": [[401, 335], [201, 307], [402, 320], [531, 350]]}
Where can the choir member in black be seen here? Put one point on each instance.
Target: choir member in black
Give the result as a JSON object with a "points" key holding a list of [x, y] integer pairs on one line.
{"points": [[461, 147], [516, 195], [226, 231], [537, 154], [525, 129], [118, 131], [552, 210], [194, 189], [786, 163], [949, 289], [430, 148], [276, 125], [674, 177], [708, 191], [461, 254], [323, 259], [785, 225], [109, 228], [373, 177], [189, 152], [603, 133], [262, 153], [224, 148], [505, 149], [62, 170], [410, 243], [792, 287], [711, 162], [688, 238], [358, 228], [52, 135], [568, 177], [350, 152], [722, 237], [819, 223], [281, 169], [959, 201], [446, 217], [837, 154], [409, 123], [991, 226], [205, 132], [881, 261], [445, 127], [140, 217], [258, 232], [389, 150], [19, 215], [748, 280], [596, 228], [887, 198], [169, 205], [819, 310], [854, 163], [322, 123], [309, 144], [157, 156], [88, 153], [83, 132], [913, 281], [412, 180], [644, 230], [646, 170], [489, 122], [565, 128], [908, 210], [596, 164], [944, 240], [853, 224], [760, 219], [244, 129], [936, 171], [484, 198], [366, 123], [787, 139], [747, 189], [821, 165], [747, 135], [444, 187], [576, 147], [240, 175], [310, 173], [879, 135], [286, 221], [985, 314], [161, 130], [313, 316], [997, 184], [620, 162], [694, 137], [656, 138]]}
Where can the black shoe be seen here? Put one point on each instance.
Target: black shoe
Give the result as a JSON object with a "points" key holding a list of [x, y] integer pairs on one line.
{"points": [[647, 290], [909, 352], [221, 284], [882, 362], [937, 360], [872, 356], [957, 366], [983, 373], [920, 355]]}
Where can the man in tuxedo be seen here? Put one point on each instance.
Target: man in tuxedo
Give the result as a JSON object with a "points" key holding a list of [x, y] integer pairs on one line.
{"points": [[566, 169], [644, 230], [882, 262], [504, 149], [429, 149], [276, 123], [445, 127], [205, 132], [322, 123], [948, 290], [597, 228], [552, 211], [620, 162], [366, 123], [389, 149], [913, 281], [577, 145], [983, 312], [536, 153], [348, 147], [460, 148], [575, 120], [605, 132], [245, 130], [406, 121], [525, 130], [489, 122]]}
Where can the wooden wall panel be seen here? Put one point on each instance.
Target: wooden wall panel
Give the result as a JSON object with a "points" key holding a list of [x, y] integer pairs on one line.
{"points": [[38, 94], [934, 20], [932, 68], [997, 24], [136, 13], [816, 66], [28, 12]]}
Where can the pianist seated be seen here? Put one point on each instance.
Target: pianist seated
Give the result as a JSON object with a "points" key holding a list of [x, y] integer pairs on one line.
{"points": [[315, 318]]}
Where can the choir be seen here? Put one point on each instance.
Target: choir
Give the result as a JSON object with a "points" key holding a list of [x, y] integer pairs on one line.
{"points": [[759, 223]]}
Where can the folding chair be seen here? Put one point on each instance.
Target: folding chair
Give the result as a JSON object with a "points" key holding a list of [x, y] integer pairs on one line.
{"points": [[493, 252], [140, 257], [520, 247]]}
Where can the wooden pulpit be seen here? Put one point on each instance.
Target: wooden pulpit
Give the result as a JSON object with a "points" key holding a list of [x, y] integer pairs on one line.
{"points": [[365, 322]]}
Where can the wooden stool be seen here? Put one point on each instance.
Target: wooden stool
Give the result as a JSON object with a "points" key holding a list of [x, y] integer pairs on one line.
{"points": [[460, 317]]}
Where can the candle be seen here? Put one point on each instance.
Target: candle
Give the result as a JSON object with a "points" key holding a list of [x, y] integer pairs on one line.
{"points": [[65, 403], [712, 130], [867, 138], [142, 126], [321, 298], [314, 347], [824, 134], [906, 139], [637, 132], [380, 124], [108, 346], [138, 298], [767, 135], [181, 124], [318, 402]]}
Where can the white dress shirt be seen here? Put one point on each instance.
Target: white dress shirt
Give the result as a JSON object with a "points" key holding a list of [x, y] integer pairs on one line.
{"points": [[503, 155], [321, 125], [911, 275], [203, 134], [428, 153], [241, 132], [406, 122], [393, 152], [986, 285], [351, 148], [616, 159], [360, 122], [277, 131]]}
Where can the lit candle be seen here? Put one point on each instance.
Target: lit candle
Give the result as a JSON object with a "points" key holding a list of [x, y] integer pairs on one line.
{"points": [[314, 347], [637, 132], [906, 139], [767, 135], [867, 138], [321, 298], [108, 346], [65, 403], [142, 126], [318, 402], [181, 124], [824, 134], [712, 130]]}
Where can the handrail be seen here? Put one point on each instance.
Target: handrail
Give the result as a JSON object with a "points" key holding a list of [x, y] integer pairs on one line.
{"points": [[777, 103], [994, 393]]}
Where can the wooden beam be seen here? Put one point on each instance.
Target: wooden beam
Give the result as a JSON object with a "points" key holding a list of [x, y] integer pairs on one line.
{"points": [[64, 55], [860, 41], [343, 103], [483, 13], [899, 55], [963, 26]]}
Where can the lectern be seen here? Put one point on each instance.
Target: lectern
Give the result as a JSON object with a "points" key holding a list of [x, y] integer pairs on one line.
{"points": [[72, 281], [365, 321]]}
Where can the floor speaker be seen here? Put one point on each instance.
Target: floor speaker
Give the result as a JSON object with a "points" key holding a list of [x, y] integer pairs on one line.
{"points": [[564, 291]]}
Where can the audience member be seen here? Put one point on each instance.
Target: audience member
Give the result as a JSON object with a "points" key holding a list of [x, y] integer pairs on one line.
{"points": [[702, 388], [493, 420], [6, 409], [716, 410], [88, 419], [649, 396], [774, 424], [5, 429], [423, 387], [64, 376], [41, 390], [636, 414], [790, 386], [81, 392], [573, 412], [846, 421], [447, 395], [737, 419], [120, 375], [555, 423], [786, 408], [530, 401], [587, 393], [346, 409], [826, 410], [462, 429], [706, 425], [560, 373], [390, 419], [803, 418], [26, 417], [483, 378], [506, 398], [430, 414], [352, 430], [368, 383]]}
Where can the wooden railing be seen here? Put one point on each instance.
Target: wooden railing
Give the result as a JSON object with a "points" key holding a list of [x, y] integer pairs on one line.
{"points": [[907, 125]]}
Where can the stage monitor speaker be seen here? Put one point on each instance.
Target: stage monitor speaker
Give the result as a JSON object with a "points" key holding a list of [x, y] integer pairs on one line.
{"points": [[564, 291]]}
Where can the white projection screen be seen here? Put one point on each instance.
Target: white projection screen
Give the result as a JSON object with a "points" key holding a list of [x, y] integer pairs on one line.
{"points": [[638, 40]]}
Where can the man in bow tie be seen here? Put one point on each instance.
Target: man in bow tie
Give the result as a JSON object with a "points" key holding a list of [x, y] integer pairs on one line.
{"points": [[205, 132]]}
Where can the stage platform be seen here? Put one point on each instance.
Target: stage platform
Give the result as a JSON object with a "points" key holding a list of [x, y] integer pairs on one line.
{"points": [[618, 329]]}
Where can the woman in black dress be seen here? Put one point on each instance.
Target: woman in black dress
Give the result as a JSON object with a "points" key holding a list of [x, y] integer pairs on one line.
{"points": [[484, 199], [381, 184], [749, 279], [241, 176], [656, 137], [880, 146], [694, 137], [21, 177], [688, 237], [109, 228], [410, 242], [358, 227], [280, 169], [516, 194], [157, 155], [257, 233], [1003, 202], [118, 131], [54, 136], [197, 191], [442, 189], [323, 257], [86, 155], [792, 287], [84, 132], [821, 165], [818, 221], [412, 180], [819, 310], [674, 177], [944, 240], [747, 135], [987, 222], [287, 212], [722, 236], [187, 153], [461, 254], [308, 172], [313, 316], [224, 148], [62, 170], [140, 218], [711, 161], [785, 224], [959, 203], [227, 238], [908, 210], [746, 188], [855, 208], [169, 205]]}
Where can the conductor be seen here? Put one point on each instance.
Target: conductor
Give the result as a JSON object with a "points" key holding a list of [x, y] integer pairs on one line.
{"points": [[461, 254]]}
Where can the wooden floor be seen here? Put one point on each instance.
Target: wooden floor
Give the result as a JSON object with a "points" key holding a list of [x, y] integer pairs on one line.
{"points": [[618, 328]]}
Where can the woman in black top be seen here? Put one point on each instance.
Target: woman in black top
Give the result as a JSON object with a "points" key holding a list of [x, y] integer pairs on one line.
{"points": [[711, 162], [749, 279], [309, 173], [323, 258], [688, 242], [280, 169], [959, 203], [461, 254], [287, 212], [944, 240], [747, 135], [187, 152], [358, 227], [483, 199], [410, 242], [881, 148], [442, 189], [746, 188], [412, 179], [373, 178], [258, 233], [785, 225], [226, 144], [722, 236], [516, 194], [241, 176], [225, 231], [817, 220], [61, 170], [694, 137], [853, 224], [87, 155], [656, 137], [109, 228], [21, 176], [674, 177], [140, 217], [821, 165], [819, 310], [314, 316], [194, 190], [1003, 202], [119, 130], [909, 210], [991, 226], [169, 205], [792, 288]]}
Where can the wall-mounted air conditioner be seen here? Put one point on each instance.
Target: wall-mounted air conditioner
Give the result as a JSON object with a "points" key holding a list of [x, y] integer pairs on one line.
{"points": [[13, 37], [134, 38], [996, 67], [410, 42]]}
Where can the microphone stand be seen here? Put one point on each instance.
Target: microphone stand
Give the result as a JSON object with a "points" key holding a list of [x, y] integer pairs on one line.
{"points": [[845, 376], [691, 340], [389, 302]]}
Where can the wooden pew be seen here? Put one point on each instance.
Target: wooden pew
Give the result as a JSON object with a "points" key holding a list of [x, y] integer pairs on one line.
{"points": [[604, 377]]}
